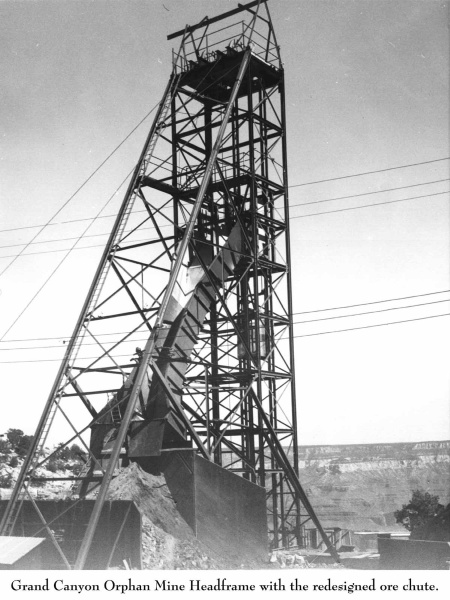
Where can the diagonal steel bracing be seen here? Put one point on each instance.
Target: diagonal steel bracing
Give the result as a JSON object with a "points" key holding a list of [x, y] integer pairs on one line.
{"points": [[197, 272]]}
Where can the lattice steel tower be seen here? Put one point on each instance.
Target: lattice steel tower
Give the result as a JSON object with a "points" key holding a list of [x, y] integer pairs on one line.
{"points": [[197, 268]]}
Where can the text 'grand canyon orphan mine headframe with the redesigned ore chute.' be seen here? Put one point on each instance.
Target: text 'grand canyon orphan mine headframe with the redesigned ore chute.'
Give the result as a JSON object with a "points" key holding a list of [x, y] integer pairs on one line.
{"points": [[196, 272]]}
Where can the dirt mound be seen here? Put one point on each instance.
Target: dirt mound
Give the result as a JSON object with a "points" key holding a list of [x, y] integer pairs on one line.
{"points": [[167, 540]]}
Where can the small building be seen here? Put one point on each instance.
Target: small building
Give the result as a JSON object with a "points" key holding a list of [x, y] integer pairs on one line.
{"points": [[398, 554], [368, 540], [21, 553]]}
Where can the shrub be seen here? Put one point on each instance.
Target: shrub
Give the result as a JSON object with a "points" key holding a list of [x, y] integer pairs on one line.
{"points": [[6, 480], [422, 507], [5, 446], [14, 462], [14, 436], [55, 464], [76, 452], [19, 441]]}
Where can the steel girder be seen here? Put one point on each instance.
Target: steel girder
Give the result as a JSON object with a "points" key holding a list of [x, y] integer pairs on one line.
{"points": [[197, 271]]}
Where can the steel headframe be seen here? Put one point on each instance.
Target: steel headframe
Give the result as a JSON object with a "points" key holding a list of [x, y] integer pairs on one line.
{"points": [[197, 267]]}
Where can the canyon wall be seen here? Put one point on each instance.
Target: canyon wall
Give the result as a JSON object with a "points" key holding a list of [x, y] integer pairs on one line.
{"points": [[359, 486]]}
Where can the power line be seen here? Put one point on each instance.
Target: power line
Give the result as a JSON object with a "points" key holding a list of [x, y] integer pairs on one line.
{"points": [[152, 228], [98, 214], [371, 312], [62, 260], [427, 162], [279, 339], [106, 159], [65, 223], [368, 205], [370, 326], [403, 187], [53, 224], [293, 323], [79, 189], [292, 205], [306, 312], [170, 225], [68, 239], [62, 337]]}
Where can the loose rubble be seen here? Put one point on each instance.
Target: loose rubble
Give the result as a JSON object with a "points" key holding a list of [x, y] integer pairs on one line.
{"points": [[167, 540], [290, 559]]}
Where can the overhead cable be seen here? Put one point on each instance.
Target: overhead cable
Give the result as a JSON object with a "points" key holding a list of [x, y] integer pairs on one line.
{"points": [[279, 339], [62, 261], [370, 312], [291, 206], [62, 337], [403, 187], [170, 225], [426, 162], [370, 326], [306, 312], [78, 189], [368, 205]]}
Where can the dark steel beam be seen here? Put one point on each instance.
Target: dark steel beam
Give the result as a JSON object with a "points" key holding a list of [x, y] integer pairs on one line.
{"points": [[206, 21]]}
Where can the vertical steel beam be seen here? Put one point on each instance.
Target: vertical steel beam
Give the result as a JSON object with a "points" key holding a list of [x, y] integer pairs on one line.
{"points": [[40, 433], [150, 345]]}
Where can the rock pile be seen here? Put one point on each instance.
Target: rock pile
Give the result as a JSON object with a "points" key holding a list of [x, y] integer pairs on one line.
{"points": [[167, 541]]}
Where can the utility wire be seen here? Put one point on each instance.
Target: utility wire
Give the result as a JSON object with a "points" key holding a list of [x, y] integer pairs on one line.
{"points": [[371, 312], [65, 223], [368, 205], [68, 239], [53, 224], [279, 339], [98, 214], [291, 205], [62, 337], [106, 159], [79, 189], [129, 341], [403, 187], [62, 260], [170, 225], [306, 312], [90, 177], [370, 326], [427, 162]]}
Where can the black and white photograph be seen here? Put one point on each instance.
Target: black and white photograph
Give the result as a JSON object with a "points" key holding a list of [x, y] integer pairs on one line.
{"points": [[224, 297]]}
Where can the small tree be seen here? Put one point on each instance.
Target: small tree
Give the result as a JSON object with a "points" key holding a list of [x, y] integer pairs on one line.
{"points": [[422, 507], [62, 452], [19, 441], [14, 436], [6, 480], [14, 462], [76, 452], [23, 446], [5, 446]]}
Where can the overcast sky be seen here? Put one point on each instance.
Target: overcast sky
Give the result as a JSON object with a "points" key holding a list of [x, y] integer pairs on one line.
{"points": [[367, 90]]}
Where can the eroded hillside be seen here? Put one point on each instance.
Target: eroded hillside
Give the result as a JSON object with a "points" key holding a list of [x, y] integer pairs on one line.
{"points": [[359, 487]]}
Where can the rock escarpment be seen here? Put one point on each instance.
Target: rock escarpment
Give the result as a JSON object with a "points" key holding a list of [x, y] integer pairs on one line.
{"points": [[359, 486]]}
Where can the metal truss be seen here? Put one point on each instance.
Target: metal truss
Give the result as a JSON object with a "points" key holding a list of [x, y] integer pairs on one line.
{"points": [[197, 273]]}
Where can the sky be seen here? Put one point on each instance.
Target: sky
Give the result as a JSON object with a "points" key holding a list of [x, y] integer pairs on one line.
{"points": [[366, 90]]}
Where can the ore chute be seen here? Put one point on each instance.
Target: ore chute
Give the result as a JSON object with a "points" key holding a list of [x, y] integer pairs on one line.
{"points": [[155, 424]]}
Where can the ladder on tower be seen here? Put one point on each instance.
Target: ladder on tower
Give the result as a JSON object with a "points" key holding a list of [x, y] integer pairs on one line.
{"points": [[31, 461]]}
